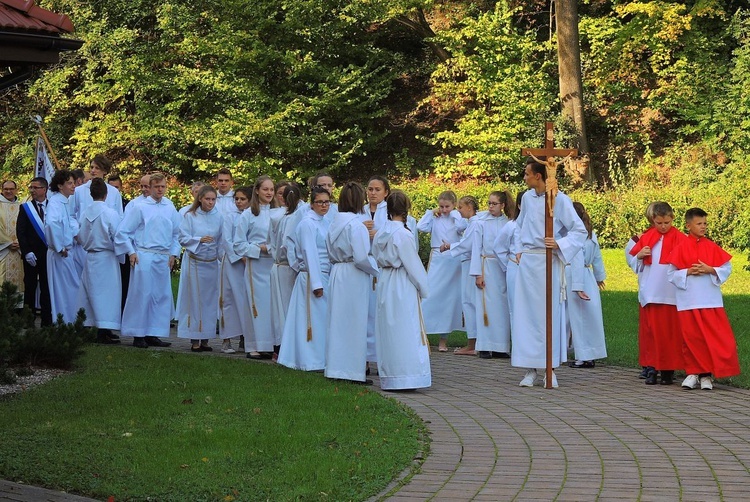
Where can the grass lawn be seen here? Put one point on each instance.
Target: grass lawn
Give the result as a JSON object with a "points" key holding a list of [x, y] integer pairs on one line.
{"points": [[620, 305], [169, 426]]}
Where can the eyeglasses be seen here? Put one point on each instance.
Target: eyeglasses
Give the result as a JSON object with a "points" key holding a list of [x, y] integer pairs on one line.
{"points": [[322, 202], [36, 188]]}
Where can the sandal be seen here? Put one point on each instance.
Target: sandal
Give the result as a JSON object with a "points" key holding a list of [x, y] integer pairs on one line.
{"points": [[465, 351], [442, 349]]}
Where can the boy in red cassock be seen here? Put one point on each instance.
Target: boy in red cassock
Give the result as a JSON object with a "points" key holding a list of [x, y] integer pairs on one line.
{"points": [[698, 267]]}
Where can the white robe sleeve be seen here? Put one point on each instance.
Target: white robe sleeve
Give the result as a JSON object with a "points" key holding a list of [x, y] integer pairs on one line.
{"points": [[466, 243], [360, 241], [306, 243], [52, 230], [677, 277], [577, 273], [227, 236], [573, 241], [241, 245], [722, 273], [425, 222], [461, 222], [187, 240], [597, 263], [126, 231], [475, 267]]}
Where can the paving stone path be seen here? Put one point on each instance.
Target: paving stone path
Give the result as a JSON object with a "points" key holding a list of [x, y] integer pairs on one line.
{"points": [[603, 435]]}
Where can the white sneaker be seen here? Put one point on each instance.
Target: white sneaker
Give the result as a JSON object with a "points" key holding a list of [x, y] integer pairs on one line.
{"points": [[707, 383], [691, 382], [529, 379], [554, 380], [226, 347]]}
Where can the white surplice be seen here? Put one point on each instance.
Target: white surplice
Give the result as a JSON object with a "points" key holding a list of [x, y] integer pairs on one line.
{"points": [[402, 346], [529, 322], [442, 309], [282, 276], [303, 343], [352, 270], [150, 229], [251, 233], [198, 294], [79, 201], [60, 229], [100, 294]]}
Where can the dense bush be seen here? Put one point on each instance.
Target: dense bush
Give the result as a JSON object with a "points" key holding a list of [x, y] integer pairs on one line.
{"points": [[685, 176], [22, 343]]}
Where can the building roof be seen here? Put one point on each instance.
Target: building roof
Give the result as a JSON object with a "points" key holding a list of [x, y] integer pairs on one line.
{"points": [[25, 15]]}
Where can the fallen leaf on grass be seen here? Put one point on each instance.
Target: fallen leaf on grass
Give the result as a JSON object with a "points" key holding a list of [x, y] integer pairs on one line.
{"points": [[184, 466], [209, 400], [127, 434], [204, 459], [256, 411], [187, 401]]}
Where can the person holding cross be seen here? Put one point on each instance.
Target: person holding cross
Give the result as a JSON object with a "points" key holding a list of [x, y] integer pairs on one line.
{"points": [[528, 331]]}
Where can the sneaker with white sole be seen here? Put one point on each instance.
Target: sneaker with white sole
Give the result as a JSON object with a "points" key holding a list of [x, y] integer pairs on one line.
{"points": [[226, 347], [691, 382], [554, 381], [707, 383], [529, 379]]}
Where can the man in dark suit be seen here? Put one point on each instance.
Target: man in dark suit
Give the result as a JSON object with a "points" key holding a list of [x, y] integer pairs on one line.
{"points": [[30, 232]]}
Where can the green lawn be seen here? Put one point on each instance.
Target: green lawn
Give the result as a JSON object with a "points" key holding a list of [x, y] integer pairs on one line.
{"points": [[168, 426], [620, 305]]}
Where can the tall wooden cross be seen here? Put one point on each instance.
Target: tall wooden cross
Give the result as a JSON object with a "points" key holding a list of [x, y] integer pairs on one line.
{"points": [[550, 156]]}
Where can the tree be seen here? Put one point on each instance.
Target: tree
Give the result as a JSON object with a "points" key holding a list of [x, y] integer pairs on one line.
{"points": [[569, 62]]}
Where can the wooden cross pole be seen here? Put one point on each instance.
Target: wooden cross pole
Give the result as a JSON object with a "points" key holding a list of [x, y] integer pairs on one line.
{"points": [[550, 156]]}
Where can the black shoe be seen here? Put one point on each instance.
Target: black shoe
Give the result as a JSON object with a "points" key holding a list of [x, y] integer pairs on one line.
{"points": [[206, 348], [140, 343], [651, 376], [255, 356], [644, 373], [105, 340], [112, 336], [582, 364], [667, 377], [195, 349], [154, 341], [485, 354], [501, 355], [367, 382]]}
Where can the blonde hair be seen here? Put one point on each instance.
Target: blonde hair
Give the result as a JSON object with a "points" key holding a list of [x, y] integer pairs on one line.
{"points": [[468, 200]]}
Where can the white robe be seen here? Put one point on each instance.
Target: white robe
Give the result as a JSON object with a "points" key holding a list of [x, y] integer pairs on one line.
{"points": [[462, 251], [234, 303], [282, 276], [303, 344], [442, 309], [502, 248], [403, 349], [352, 270], [585, 316], [379, 219], [529, 321], [492, 301], [100, 294], [250, 234], [198, 294], [63, 277], [151, 230]]}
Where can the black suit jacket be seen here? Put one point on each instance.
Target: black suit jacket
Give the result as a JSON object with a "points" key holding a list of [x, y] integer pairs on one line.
{"points": [[28, 239]]}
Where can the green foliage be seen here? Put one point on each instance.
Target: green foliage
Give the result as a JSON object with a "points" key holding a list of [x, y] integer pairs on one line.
{"points": [[498, 86], [22, 343]]}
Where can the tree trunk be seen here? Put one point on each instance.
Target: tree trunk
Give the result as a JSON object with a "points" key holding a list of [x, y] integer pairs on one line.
{"points": [[422, 27], [569, 61]]}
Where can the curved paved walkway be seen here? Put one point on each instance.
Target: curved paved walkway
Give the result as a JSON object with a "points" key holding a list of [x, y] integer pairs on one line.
{"points": [[602, 435]]}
